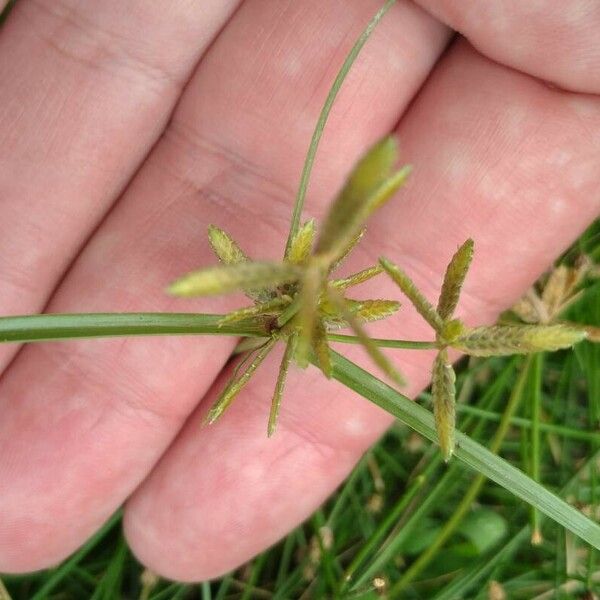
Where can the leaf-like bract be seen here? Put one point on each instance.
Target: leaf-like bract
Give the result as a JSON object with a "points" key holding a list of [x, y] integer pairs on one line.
{"points": [[444, 400], [454, 279], [424, 308], [242, 276]]}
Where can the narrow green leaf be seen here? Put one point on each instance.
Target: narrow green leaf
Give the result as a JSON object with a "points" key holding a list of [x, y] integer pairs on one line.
{"points": [[444, 399], [302, 242], [501, 340], [242, 276], [467, 450], [357, 278], [403, 281], [320, 126], [370, 184], [454, 279], [290, 350], [237, 383], [266, 308]]}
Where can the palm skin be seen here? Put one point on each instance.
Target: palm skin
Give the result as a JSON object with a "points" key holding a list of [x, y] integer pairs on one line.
{"points": [[126, 128]]}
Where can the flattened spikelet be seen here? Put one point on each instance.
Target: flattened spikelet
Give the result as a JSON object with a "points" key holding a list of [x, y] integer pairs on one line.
{"points": [[290, 350], [501, 340], [301, 246], [266, 308], [410, 290], [357, 278], [444, 402], [242, 276], [454, 279], [370, 184], [225, 247]]}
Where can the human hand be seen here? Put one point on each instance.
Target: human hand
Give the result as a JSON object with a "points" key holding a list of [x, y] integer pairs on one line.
{"points": [[105, 198]]}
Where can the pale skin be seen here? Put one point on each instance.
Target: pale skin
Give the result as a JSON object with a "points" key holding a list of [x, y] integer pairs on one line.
{"points": [[127, 128]]}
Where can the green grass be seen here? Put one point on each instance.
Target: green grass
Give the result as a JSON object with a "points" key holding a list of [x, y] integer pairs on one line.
{"points": [[403, 517]]}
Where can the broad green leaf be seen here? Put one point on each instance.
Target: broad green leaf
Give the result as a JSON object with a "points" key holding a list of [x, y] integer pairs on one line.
{"points": [[237, 383], [290, 350], [242, 276], [266, 308], [370, 184], [424, 308], [444, 399], [302, 242], [454, 279], [357, 278], [501, 340]]}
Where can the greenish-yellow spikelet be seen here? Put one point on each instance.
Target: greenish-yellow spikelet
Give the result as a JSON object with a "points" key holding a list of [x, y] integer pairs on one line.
{"points": [[237, 383], [321, 349], [225, 247], [348, 250], [451, 331], [266, 308], [375, 310], [370, 184], [357, 278], [371, 348], [403, 281], [290, 350], [229, 278], [301, 246], [307, 314], [454, 279], [444, 402], [517, 339], [363, 310]]}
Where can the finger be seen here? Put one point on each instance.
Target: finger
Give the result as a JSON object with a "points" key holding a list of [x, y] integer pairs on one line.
{"points": [[498, 156], [556, 41], [93, 417], [87, 89]]}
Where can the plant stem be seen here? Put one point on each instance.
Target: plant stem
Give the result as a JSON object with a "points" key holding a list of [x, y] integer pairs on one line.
{"points": [[320, 126], [37, 328], [407, 344]]}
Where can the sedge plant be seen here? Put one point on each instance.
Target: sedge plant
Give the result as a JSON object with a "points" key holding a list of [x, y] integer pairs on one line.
{"points": [[300, 304]]}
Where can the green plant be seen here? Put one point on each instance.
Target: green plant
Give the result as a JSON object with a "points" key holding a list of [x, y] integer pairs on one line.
{"points": [[295, 303]]}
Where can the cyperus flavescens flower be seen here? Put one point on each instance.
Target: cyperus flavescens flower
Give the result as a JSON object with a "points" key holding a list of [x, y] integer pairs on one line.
{"points": [[479, 341], [297, 298]]}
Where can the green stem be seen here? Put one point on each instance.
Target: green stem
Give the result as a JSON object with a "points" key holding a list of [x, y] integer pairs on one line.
{"points": [[407, 344], [320, 126], [37, 328]]}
